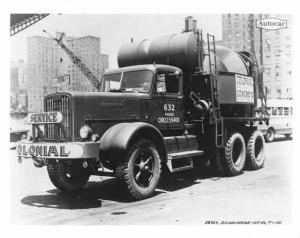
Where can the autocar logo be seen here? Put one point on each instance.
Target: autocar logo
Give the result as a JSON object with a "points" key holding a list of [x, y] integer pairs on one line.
{"points": [[271, 23]]}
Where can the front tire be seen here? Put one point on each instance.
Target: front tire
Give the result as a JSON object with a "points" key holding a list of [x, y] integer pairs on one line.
{"points": [[67, 177], [256, 151], [141, 170], [234, 155]]}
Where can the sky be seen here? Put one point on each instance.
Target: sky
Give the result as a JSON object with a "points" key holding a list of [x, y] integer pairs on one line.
{"points": [[113, 29]]}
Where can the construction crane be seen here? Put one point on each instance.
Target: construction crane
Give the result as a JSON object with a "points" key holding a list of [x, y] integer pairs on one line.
{"points": [[19, 22], [77, 61]]}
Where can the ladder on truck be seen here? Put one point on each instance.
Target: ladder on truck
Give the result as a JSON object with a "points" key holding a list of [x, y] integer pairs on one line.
{"points": [[215, 104], [77, 61], [261, 93]]}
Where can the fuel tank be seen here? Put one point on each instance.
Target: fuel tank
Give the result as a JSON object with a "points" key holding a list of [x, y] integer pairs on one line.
{"points": [[178, 50]]}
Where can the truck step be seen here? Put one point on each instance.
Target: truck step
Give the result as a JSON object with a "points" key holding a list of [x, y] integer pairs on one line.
{"points": [[182, 160]]}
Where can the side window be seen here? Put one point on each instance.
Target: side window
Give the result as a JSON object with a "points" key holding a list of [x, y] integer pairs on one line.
{"points": [[280, 111], [286, 111], [274, 111], [167, 82], [161, 83]]}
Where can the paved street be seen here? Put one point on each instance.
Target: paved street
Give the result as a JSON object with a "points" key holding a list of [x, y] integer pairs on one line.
{"points": [[186, 198]]}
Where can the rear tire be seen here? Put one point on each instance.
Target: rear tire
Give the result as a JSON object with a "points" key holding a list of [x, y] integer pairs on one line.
{"points": [[255, 151], [67, 178], [270, 135], [141, 170], [234, 155]]}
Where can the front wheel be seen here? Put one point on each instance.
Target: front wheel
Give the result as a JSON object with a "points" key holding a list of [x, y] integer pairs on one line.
{"points": [[67, 177], [141, 170]]}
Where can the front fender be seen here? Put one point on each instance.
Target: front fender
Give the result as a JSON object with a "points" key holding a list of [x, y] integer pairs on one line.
{"points": [[119, 136]]}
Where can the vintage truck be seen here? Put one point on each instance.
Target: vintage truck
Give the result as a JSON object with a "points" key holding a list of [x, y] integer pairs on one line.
{"points": [[171, 104]]}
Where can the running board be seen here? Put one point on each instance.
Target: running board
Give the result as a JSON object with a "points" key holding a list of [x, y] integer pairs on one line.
{"points": [[182, 160]]}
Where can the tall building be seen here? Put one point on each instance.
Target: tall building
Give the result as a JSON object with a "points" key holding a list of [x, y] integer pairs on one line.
{"points": [[42, 67], [104, 62], [22, 80], [18, 92], [13, 86], [272, 48], [50, 69]]}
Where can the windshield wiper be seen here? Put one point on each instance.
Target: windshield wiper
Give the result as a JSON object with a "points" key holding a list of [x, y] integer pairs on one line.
{"points": [[123, 90]]}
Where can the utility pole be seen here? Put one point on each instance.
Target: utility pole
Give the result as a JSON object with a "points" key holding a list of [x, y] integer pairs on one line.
{"points": [[261, 44]]}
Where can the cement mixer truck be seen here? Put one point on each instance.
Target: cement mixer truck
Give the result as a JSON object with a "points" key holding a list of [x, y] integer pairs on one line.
{"points": [[173, 101]]}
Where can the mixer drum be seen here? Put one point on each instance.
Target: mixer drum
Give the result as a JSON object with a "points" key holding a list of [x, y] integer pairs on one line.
{"points": [[227, 61], [180, 51]]}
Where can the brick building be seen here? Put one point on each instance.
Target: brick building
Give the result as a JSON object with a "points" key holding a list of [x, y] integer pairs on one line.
{"points": [[272, 48], [48, 64]]}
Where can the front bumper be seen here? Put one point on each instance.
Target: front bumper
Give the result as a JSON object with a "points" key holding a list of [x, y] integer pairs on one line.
{"points": [[68, 150]]}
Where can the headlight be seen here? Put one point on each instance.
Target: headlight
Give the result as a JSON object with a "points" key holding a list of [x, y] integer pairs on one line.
{"points": [[29, 136], [85, 131], [95, 137]]}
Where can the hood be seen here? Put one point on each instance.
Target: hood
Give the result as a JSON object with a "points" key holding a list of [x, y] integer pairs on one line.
{"points": [[107, 106], [102, 110]]}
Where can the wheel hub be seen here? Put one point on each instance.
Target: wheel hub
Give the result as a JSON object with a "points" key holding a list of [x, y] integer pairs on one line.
{"points": [[144, 166], [144, 163]]}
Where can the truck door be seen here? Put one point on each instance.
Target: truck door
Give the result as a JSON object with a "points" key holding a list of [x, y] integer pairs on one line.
{"points": [[168, 105]]}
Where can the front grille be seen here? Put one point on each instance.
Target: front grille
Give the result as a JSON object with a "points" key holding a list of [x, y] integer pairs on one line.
{"points": [[58, 103]]}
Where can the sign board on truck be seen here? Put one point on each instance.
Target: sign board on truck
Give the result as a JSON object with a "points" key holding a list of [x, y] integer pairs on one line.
{"points": [[244, 90], [235, 89]]}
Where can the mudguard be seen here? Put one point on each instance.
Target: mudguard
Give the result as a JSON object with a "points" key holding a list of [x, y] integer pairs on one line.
{"points": [[119, 136]]}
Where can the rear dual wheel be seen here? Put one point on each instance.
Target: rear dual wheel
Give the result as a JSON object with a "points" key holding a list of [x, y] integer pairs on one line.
{"points": [[256, 151], [231, 160], [234, 155]]}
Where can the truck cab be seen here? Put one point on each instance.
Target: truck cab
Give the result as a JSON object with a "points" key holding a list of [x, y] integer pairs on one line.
{"points": [[163, 107]]}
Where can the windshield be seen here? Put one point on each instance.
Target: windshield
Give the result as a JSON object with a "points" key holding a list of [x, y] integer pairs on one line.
{"points": [[134, 81]]}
